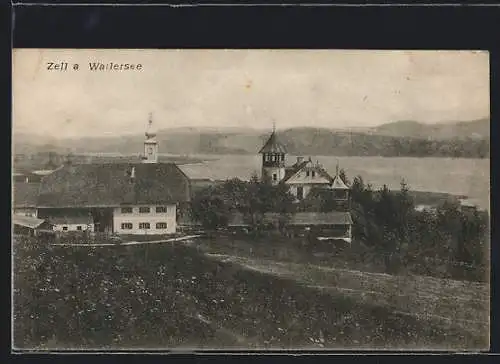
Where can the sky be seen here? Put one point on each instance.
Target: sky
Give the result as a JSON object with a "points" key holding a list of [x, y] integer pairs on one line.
{"points": [[244, 88]]}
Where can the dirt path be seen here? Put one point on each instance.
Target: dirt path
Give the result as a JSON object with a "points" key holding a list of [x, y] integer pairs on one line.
{"points": [[451, 303], [172, 240]]}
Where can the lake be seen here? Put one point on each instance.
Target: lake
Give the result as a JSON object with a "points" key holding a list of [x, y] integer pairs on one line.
{"points": [[458, 176]]}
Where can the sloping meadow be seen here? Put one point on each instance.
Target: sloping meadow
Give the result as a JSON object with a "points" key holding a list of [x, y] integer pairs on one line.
{"points": [[166, 296]]}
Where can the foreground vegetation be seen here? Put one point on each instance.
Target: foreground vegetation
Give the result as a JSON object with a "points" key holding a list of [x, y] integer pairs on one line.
{"points": [[446, 242], [164, 296]]}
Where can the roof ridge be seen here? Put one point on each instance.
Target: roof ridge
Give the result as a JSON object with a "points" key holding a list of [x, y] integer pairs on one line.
{"points": [[273, 145]]}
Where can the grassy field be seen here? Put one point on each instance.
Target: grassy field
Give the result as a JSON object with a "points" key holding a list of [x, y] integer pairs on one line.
{"points": [[460, 304], [185, 296]]}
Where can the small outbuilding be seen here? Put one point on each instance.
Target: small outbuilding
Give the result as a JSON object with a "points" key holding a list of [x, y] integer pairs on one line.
{"points": [[28, 225]]}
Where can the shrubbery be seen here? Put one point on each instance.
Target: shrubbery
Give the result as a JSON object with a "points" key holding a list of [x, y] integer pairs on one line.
{"points": [[129, 297], [214, 205], [447, 242]]}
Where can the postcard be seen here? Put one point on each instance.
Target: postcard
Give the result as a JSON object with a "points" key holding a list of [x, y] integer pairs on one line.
{"points": [[250, 200]]}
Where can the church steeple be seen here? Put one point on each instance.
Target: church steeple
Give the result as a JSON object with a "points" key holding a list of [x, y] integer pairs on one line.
{"points": [[273, 158], [150, 143]]}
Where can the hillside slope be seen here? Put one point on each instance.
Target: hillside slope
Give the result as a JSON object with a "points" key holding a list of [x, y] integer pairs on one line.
{"points": [[405, 138], [459, 130]]}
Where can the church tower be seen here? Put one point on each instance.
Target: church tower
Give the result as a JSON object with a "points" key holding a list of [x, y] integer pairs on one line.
{"points": [[273, 159], [150, 144]]}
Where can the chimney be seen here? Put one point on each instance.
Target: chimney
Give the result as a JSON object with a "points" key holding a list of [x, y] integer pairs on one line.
{"points": [[299, 160]]}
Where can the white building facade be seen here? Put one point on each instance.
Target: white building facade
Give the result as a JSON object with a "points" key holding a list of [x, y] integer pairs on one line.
{"points": [[145, 219]]}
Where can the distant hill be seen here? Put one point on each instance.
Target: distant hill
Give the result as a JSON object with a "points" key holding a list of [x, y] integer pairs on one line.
{"points": [[477, 129], [403, 138]]}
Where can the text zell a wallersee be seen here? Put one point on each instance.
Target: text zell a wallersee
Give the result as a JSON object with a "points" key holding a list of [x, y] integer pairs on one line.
{"points": [[94, 66]]}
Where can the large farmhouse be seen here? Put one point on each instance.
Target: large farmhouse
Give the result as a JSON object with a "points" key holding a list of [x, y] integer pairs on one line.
{"points": [[116, 198]]}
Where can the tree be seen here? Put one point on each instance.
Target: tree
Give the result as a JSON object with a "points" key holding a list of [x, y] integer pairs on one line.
{"points": [[343, 176], [211, 208], [405, 212]]}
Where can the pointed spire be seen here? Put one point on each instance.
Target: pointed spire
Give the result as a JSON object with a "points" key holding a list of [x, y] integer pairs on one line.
{"points": [[272, 144], [149, 133], [337, 169]]}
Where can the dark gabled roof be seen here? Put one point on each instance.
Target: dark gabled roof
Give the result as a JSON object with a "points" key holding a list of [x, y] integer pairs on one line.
{"points": [[27, 221], [296, 219], [273, 145], [291, 171], [93, 185], [322, 172], [71, 220], [321, 218], [25, 194]]}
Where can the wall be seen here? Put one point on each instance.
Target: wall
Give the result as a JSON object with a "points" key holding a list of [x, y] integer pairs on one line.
{"points": [[307, 182], [306, 188], [73, 227], [152, 218], [153, 157], [26, 211], [280, 173]]}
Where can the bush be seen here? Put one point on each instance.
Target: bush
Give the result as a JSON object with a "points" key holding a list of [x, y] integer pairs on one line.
{"points": [[387, 221], [122, 297]]}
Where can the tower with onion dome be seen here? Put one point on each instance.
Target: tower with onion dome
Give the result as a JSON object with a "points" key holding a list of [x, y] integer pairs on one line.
{"points": [[150, 144]]}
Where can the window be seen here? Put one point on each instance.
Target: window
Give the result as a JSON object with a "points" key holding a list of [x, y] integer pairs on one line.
{"points": [[300, 192], [144, 210], [126, 210], [161, 225], [127, 226], [307, 173], [65, 228], [340, 194], [161, 209], [144, 225], [312, 174], [275, 177], [79, 228]]}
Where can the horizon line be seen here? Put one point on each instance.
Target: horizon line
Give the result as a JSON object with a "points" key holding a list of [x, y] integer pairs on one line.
{"points": [[270, 128]]}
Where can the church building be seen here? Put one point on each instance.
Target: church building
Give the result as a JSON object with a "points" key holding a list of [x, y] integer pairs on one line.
{"points": [[116, 198], [302, 176]]}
